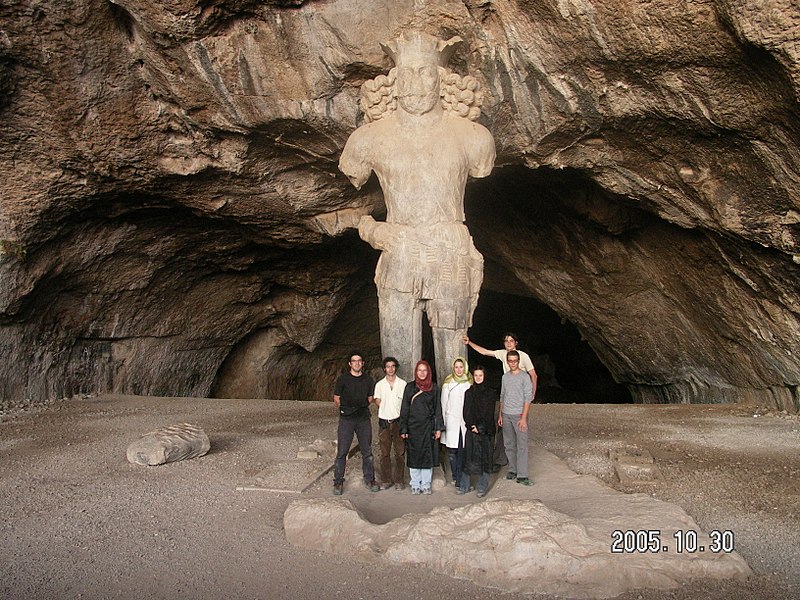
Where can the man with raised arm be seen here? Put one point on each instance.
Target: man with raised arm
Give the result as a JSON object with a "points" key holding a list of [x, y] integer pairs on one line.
{"points": [[510, 341]]}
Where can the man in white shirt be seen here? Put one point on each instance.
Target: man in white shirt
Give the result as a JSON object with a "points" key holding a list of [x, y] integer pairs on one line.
{"points": [[389, 397]]}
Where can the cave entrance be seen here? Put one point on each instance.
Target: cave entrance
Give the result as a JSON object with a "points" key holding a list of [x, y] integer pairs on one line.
{"points": [[568, 368]]}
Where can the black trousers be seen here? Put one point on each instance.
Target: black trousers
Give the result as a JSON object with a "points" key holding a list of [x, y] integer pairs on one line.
{"points": [[362, 428]]}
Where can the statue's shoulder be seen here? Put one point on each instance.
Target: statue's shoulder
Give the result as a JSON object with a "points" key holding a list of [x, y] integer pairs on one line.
{"points": [[467, 126], [366, 146], [372, 129], [478, 142], [359, 138], [481, 131], [476, 134]]}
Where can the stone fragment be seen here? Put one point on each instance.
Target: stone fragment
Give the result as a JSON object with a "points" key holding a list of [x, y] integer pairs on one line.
{"points": [[319, 449], [169, 444], [307, 453], [634, 466]]}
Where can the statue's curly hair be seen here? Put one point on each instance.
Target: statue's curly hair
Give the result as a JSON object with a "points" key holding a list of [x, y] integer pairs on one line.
{"points": [[461, 95], [379, 96]]}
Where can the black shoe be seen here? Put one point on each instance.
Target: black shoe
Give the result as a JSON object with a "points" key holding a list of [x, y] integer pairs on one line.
{"points": [[372, 486], [496, 468], [524, 481], [511, 475], [338, 488]]}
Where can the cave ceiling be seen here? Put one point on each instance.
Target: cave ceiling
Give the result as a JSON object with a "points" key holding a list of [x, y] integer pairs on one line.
{"points": [[173, 222]]}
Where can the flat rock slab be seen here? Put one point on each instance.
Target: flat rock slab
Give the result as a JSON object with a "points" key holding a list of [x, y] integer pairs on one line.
{"points": [[296, 475], [290, 476], [557, 537]]}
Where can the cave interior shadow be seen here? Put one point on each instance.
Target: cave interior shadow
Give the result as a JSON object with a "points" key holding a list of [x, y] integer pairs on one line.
{"points": [[567, 367]]}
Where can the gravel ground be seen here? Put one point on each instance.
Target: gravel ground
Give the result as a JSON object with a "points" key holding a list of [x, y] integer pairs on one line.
{"points": [[78, 521]]}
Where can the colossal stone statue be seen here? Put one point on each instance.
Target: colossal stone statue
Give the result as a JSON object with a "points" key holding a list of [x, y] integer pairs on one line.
{"points": [[421, 141]]}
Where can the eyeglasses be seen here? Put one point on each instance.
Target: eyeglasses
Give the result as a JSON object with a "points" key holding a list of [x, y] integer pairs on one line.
{"points": [[357, 360], [513, 360]]}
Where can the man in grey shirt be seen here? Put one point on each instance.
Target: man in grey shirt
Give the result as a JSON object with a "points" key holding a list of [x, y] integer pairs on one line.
{"points": [[515, 401]]}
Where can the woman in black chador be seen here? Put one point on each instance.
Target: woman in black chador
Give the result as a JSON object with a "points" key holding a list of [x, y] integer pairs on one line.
{"points": [[421, 425], [479, 402]]}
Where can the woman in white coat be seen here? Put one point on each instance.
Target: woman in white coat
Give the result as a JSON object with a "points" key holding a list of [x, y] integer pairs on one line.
{"points": [[453, 390]]}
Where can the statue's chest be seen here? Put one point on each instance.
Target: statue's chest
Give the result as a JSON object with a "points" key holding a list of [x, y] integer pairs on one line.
{"points": [[424, 153]]}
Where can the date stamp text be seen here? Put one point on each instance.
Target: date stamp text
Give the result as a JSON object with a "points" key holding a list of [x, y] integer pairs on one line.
{"points": [[688, 541]]}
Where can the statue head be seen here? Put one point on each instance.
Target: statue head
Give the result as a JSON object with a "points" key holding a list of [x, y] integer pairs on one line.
{"points": [[418, 58], [419, 80]]}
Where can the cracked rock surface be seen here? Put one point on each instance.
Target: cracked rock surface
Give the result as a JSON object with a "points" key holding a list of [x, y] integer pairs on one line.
{"points": [[172, 221]]}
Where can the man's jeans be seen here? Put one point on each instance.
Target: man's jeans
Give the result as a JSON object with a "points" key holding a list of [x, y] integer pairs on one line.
{"points": [[516, 443], [390, 439], [363, 431]]}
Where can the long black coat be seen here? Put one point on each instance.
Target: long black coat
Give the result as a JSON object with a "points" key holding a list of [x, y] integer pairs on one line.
{"points": [[479, 403], [420, 418]]}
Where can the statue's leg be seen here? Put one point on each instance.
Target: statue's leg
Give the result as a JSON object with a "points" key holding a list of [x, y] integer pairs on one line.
{"points": [[453, 290], [448, 346], [401, 329], [450, 319]]}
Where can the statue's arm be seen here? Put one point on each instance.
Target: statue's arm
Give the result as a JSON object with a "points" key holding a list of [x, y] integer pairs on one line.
{"points": [[484, 154], [377, 234], [353, 161]]}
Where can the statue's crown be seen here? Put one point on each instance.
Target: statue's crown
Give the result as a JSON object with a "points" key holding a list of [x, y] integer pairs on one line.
{"points": [[419, 47]]}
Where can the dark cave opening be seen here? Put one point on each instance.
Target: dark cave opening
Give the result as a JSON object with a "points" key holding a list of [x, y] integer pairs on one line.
{"points": [[567, 367], [530, 221]]}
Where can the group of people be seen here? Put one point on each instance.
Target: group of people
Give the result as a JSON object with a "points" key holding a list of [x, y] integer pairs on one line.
{"points": [[415, 419]]}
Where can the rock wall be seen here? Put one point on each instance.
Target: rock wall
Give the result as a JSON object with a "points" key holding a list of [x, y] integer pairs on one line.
{"points": [[172, 220]]}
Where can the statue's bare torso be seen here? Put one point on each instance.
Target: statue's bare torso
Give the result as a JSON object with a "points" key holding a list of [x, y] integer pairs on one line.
{"points": [[422, 170]]}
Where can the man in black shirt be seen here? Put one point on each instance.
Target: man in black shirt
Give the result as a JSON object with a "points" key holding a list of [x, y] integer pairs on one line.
{"points": [[352, 396]]}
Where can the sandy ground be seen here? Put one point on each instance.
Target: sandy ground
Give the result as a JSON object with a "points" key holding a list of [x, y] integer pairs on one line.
{"points": [[79, 521]]}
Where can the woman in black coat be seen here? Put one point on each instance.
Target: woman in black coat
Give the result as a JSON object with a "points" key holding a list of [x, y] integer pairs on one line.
{"points": [[479, 402], [421, 425]]}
